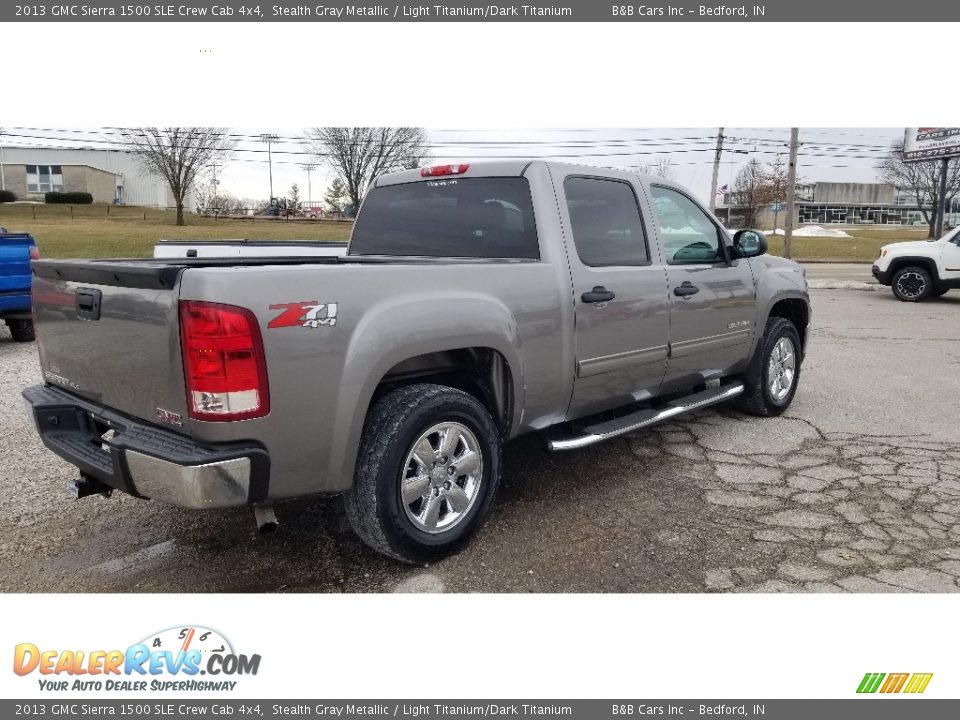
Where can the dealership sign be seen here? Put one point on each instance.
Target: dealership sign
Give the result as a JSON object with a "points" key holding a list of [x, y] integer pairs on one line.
{"points": [[930, 143]]}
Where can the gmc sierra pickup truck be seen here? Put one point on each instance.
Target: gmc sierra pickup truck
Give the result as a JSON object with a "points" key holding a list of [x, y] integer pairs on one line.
{"points": [[920, 269], [16, 252], [475, 303]]}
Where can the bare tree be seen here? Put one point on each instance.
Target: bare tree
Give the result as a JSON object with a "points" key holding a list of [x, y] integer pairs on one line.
{"points": [[922, 179], [776, 180], [661, 166], [751, 191], [360, 154], [179, 155]]}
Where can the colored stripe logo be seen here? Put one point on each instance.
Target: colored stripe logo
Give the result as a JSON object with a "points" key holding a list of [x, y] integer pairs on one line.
{"points": [[913, 683]]}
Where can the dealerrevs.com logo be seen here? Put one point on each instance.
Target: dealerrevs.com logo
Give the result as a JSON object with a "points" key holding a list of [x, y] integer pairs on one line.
{"points": [[180, 659], [893, 683]]}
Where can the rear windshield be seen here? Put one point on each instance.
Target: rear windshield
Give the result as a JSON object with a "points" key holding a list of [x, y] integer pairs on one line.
{"points": [[449, 217]]}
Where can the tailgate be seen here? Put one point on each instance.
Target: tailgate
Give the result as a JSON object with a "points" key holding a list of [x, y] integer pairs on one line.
{"points": [[108, 331]]}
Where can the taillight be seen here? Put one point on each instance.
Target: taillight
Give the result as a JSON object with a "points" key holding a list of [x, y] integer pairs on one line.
{"points": [[34, 253], [223, 362], [444, 170]]}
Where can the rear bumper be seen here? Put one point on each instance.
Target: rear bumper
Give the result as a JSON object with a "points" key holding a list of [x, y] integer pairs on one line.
{"points": [[881, 277], [144, 460]]}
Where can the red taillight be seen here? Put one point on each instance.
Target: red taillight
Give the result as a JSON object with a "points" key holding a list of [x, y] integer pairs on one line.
{"points": [[444, 170], [34, 253], [223, 362]]}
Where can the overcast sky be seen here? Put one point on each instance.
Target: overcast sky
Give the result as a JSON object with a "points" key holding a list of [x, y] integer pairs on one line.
{"points": [[827, 154]]}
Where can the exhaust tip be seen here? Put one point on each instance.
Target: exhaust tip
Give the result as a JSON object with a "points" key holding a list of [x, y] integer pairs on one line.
{"points": [[266, 519]]}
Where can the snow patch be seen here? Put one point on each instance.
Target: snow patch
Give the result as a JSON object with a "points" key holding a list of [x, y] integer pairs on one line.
{"points": [[813, 231]]}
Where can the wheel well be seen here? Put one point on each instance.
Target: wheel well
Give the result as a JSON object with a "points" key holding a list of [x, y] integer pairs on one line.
{"points": [[927, 263], [797, 312], [481, 372]]}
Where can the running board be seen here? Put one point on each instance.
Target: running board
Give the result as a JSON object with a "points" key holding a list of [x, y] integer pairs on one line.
{"points": [[599, 432]]}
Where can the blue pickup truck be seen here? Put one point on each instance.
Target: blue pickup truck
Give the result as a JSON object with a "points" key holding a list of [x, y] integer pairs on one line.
{"points": [[16, 252]]}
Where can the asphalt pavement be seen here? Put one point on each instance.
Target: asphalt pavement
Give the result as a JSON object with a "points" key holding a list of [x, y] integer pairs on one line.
{"points": [[856, 488]]}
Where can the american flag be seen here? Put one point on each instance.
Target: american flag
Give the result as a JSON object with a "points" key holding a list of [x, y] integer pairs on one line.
{"points": [[723, 189]]}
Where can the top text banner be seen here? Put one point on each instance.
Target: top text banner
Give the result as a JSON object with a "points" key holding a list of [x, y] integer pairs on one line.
{"points": [[858, 11]]}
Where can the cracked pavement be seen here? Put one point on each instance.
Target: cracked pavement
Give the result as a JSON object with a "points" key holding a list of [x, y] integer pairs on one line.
{"points": [[856, 488]]}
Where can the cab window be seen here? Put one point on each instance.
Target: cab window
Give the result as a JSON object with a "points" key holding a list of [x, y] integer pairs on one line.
{"points": [[687, 233], [606, 223]]}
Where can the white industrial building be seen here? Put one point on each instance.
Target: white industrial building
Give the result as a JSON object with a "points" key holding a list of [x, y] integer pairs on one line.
{"points": [[110, 175]]}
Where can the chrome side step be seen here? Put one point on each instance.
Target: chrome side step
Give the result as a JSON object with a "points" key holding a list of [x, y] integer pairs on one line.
{"points": [[599, 432]]}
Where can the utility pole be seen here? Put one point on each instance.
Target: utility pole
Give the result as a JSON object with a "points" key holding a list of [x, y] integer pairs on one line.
{"points": [[213, 167], [791, 192], [3, 179], [942, 197], [269, 139], [716, 171], [213, 182], [309, 167]]}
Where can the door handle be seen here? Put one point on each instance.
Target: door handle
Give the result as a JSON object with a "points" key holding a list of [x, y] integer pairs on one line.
{"points": [[686, 289], [599, 294], [87, 302]]}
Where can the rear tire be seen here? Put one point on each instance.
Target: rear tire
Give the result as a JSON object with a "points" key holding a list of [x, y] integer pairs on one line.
{"points": [[771, 380], [912, 283], [21, 330], [409, 498]]}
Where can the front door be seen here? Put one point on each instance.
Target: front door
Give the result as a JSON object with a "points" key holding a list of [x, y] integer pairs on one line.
{"points": [[950, 259], [712, 296], [620, 295]]}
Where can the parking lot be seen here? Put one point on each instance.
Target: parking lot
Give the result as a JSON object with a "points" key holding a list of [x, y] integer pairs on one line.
{"points": [[856, 488]]}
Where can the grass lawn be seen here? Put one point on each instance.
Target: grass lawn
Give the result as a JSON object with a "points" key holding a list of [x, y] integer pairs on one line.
{"points": [[132, 232], [102, 231], [864, 246]]}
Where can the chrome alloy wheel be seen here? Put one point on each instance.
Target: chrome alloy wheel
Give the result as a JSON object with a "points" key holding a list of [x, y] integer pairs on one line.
{"points": [[440, 479], [911, 285], [782, 369]]}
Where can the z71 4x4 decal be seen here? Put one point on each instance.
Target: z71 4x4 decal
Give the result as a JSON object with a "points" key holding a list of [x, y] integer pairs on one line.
{"points": [[310, 313]]}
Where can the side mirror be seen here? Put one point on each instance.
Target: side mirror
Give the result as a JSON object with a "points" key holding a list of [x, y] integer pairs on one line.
{"points": [[750, 243]]}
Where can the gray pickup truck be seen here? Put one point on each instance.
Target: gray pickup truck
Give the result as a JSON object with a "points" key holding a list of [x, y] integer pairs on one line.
{"points": [[475, 303]]}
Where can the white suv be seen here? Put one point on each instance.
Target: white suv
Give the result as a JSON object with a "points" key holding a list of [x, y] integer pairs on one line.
{"points": [[922, 269]]}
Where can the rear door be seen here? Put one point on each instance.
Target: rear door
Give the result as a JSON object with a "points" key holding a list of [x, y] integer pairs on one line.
{"points": [[712, 296], [620, 294]]}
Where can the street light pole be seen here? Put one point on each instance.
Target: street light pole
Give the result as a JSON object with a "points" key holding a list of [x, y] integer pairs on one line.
{"points": [[269, 138], [309, 167]]}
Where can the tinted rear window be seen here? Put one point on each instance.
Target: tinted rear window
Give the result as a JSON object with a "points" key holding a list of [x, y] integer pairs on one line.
{"points": [[449, 217]]}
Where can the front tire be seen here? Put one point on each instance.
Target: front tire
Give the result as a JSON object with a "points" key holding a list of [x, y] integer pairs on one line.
{"points": [[771, 381], [21, 330], [427, 471], [912, 284]]}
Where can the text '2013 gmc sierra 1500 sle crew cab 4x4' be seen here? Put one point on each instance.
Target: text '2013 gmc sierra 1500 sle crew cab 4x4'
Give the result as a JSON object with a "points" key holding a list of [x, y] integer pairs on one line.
{"points": [[475, 303]]}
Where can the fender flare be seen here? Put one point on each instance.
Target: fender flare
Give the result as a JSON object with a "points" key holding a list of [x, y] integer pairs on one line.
{"points": [[384, 339]]}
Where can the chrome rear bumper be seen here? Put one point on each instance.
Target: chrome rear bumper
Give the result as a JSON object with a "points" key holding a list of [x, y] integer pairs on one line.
{"points": [[144, 460]]}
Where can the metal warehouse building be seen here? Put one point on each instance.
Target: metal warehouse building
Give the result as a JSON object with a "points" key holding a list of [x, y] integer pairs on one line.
{"points": [[111, 176]]}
